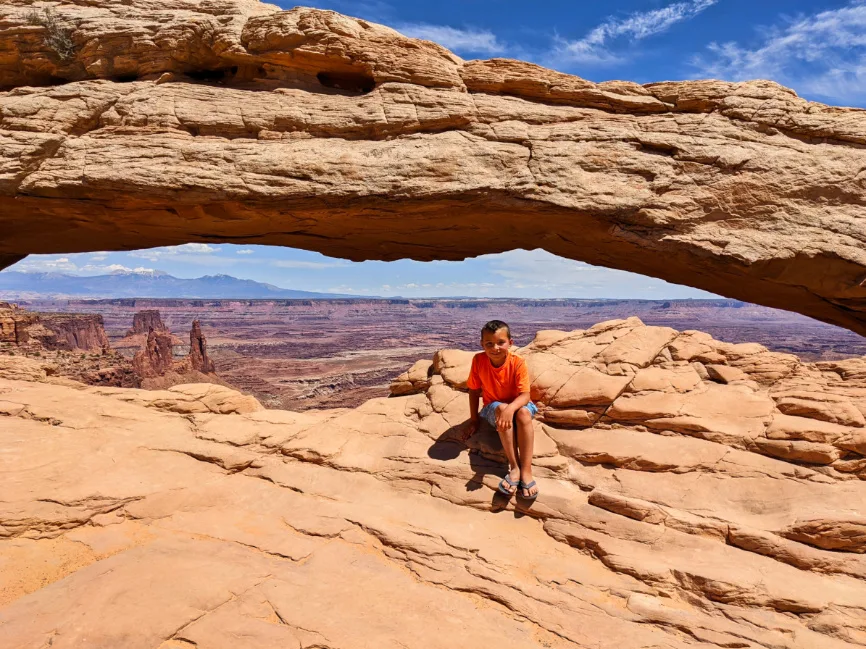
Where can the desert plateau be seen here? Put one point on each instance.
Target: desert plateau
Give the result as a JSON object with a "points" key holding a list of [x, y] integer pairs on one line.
{"points": [[302, 354]]}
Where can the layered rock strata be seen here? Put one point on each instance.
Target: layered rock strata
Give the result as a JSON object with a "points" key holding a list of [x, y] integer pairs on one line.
{"points": [[233, 121], [157, 356], [694, 494], [144, 321], [157, 368], [198, 358], [52, 331], [136, 338]]}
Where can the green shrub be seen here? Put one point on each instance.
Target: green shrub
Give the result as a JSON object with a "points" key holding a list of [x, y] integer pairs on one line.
{"points": [[56, 37]]}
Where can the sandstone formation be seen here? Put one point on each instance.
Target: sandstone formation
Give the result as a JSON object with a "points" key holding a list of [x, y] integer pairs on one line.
{"points": [[144, 321], [680, 507], [156, 358], [52, 331], [14, 323], [198, 358], [156, 367], [72, 345], [59, 339], [135, 124], [136, 338]]}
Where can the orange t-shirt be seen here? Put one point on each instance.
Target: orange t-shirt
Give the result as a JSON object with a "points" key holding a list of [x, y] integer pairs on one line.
{"points": [[502, 383]]}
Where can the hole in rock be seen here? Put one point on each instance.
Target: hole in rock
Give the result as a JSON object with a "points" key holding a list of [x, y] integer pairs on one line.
{"points": [[218, 74], [125, 78], [301, 330], [658, 149], [355, 82]]}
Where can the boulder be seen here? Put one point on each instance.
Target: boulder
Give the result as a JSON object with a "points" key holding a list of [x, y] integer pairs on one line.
{"points": [[416, 379], [453, 366]]}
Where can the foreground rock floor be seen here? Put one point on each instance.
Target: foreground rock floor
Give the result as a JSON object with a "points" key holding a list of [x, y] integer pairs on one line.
{"points": [[693, 494]]}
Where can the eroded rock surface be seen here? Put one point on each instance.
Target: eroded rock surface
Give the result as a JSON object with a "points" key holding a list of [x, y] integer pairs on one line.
{"points": [[144, 321], [52, 331], [678, 508], [155, 364], [233, 121]]}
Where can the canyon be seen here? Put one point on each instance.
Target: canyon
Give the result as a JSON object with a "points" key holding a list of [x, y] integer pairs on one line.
{"points": [[302, 354], [75, 346]]}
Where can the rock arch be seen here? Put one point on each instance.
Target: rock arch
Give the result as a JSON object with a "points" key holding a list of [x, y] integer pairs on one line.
{"points": [[236, 122]]}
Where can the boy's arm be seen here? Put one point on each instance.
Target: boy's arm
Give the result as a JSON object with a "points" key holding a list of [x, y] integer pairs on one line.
{"points": [[474, 398], [523, 384], [474, 419], [521, 400]]}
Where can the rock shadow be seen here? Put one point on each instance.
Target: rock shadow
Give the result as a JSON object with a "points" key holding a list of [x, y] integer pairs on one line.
{"points": [[486, 457]]}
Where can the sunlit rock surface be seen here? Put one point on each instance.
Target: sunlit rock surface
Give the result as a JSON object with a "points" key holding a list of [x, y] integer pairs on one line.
{"points": [[135, 124], [694, 493]]}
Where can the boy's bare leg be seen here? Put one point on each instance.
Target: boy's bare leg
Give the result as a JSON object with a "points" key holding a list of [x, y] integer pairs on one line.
{"points": [[509, 445], [525, 442]]}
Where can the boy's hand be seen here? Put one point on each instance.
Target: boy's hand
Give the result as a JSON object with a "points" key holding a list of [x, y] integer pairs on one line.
{"points": [[504, 420], [470, 430]]}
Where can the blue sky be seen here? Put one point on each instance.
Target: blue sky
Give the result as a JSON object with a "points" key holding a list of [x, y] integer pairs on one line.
{"points": [[818, 48]]}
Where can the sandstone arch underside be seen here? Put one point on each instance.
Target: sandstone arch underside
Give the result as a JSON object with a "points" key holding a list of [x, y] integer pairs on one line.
{"points": [[237, 122]]}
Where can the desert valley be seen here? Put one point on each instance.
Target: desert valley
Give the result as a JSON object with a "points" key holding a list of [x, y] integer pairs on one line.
{"points": [[301, 354]]}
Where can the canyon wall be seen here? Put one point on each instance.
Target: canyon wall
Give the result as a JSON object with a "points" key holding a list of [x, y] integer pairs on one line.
{"points": [[52, 331], [144, 321], [237, 122]]}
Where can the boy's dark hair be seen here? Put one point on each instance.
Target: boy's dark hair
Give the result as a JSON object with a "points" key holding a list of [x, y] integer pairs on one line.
{"points": [[495, 325]]}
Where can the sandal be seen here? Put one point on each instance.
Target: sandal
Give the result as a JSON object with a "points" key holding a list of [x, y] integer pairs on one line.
{"points": [[511, 483], [523, 485]]}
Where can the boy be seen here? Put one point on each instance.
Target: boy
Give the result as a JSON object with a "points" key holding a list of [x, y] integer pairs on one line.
{"points": [[502, 379]]}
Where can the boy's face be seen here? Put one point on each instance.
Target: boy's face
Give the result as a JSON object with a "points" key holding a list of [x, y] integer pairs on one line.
{"points": [[496, 345]]}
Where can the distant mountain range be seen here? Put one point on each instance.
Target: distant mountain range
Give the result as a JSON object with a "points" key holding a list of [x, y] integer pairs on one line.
{"points": [[17, 285]]}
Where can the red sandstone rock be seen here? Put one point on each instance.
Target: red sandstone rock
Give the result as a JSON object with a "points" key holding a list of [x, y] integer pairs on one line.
{"points": [[198, 357], [292, 127], [52, 331], [156, 368], [156, 358], [690, 513], [144, 321]]}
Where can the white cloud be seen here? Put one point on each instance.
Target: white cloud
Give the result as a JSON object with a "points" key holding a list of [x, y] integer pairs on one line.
{"points": [[546, 274], [110, 268], [154, 254], [595, 46], [199, 248], [45, 264], [822, 54], [245, 251], [477, 41], [308, 265]]}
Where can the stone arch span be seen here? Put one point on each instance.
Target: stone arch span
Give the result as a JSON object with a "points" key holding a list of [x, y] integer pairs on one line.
{"points": [[238, 122]]}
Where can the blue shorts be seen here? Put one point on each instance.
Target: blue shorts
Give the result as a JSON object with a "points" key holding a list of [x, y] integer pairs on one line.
{"points": [[488, 412]]}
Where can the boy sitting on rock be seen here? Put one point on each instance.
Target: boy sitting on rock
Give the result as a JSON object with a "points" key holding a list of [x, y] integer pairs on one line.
{"points": [[503, 381]]}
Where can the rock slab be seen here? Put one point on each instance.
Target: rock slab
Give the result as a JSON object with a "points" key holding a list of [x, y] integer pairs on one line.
{"points": [[193, 517]]}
